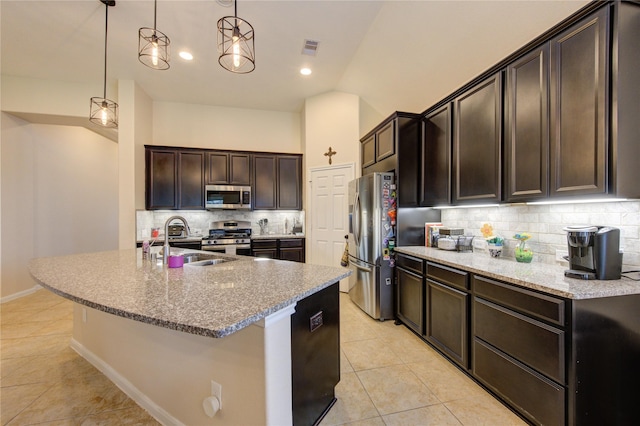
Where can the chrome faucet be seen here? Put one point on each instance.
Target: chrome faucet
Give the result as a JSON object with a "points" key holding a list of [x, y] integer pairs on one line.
{"points": [[166, 247]]}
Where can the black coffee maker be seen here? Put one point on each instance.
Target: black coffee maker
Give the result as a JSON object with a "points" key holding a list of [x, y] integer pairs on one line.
{"points": [[594, 252]]}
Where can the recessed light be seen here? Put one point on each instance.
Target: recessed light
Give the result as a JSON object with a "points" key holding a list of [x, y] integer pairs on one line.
{"points": [[186, 55], [305, 71]]}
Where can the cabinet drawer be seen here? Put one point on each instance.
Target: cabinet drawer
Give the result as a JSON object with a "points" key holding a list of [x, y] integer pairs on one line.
{"points": [[534, 304], [537, 345], [446, 275], [536, 397], [411, 263], [293, 242], [264, 244]]}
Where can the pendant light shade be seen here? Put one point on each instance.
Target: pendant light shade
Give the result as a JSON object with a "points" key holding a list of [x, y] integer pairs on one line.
{"points": [[236, 44], [104, 112], [153, 45]]}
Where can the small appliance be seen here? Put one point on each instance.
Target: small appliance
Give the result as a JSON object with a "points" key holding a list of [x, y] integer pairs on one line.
{"points": [[594, 252], [229, 197]]}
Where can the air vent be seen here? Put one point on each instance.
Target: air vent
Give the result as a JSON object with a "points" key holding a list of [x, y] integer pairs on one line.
{"points": [[310, 47]]}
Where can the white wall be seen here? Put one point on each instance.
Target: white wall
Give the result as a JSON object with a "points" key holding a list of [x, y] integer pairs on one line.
{"points": [[203, 126], [59, 195]]}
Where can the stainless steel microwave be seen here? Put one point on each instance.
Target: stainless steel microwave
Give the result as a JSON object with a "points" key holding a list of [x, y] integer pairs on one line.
{"points": [[227, 197]]}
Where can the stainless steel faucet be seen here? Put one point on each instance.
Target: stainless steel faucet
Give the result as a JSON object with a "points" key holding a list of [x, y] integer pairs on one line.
{"points": [[167, 247]]}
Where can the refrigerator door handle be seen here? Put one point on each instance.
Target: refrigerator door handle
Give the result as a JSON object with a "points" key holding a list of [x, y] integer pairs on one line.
{"points": [[356, 216], [363, 268]]}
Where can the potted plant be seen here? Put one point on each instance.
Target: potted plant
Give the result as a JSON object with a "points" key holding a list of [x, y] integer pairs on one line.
{"points": [[494, 242], [523, 253]]}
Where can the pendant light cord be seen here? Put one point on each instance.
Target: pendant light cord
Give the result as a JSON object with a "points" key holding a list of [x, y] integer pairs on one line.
{"points": [[155, 14], [106, 26]]}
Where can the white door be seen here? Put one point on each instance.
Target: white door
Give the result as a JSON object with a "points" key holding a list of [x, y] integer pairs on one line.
{"points": [[329, 215]]}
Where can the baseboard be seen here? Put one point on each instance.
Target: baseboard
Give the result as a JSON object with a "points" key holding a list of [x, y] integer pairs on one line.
{"points": [[126, 386], [20, 294]]}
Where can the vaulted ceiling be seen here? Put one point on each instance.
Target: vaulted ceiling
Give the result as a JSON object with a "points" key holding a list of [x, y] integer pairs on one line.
{"points": [[395, 55]]}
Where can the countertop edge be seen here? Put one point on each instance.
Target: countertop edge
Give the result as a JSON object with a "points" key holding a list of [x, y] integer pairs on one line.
{"points": [[542, 277]]}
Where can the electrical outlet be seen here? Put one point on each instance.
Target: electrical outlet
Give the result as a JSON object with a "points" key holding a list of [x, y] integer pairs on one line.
{"points": [[560, 256], [216, 390]]}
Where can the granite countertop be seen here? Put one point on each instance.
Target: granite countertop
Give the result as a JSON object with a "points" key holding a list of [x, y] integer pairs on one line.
{"points": [[215, 300], [538, 276], [275, 236]]}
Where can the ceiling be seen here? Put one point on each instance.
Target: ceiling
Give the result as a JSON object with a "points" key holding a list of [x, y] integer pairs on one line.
{"points": [[396, 55]]}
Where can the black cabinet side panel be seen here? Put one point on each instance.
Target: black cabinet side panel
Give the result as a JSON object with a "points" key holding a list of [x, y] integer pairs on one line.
{"points": [[315, 354]]}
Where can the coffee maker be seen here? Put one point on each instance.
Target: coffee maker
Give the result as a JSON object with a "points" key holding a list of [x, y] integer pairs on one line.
{"points": [[594, 252]]}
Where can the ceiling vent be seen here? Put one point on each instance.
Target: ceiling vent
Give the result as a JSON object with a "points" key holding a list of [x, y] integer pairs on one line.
{"points": [[310, 47]]}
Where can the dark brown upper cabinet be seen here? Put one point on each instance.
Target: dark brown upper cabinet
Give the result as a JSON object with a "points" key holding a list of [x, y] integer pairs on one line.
{"points": [[527, 127], [161, 176], [277, 182], [477, 143], [174, 179], [579, 93], [436, 158], [394, 146], [228, 168]]}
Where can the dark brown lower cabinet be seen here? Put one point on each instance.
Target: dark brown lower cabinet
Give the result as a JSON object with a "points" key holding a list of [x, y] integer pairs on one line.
{"points": [[410, 299], [539, 399], [447, 321], [265, 248], [291, 249], [284, 249], [553, 360]]}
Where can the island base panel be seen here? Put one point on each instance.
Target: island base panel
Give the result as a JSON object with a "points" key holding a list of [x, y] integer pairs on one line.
{"points": [[315, 355]]}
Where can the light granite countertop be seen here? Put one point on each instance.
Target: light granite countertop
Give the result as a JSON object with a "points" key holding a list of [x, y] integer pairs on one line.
{"points": [[538, 276], [214, 300]]}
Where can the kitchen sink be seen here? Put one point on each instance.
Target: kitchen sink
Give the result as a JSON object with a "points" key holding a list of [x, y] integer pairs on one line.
{"points": [[204, 259]]}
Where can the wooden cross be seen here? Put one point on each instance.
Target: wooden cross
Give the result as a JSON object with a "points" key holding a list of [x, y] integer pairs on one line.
{"points": [[329, 154]]}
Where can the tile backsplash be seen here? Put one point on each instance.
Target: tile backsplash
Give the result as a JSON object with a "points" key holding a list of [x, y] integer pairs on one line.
{"points": [[545, 223], [199, 220]]}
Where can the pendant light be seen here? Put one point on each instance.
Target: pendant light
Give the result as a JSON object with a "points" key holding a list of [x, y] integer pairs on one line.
{"points": [[104, 112], [153, 45], [236, 44]]}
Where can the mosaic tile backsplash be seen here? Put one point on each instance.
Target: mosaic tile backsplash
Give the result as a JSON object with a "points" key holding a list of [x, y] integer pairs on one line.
{"points": [[199, 220], [545, 223]]}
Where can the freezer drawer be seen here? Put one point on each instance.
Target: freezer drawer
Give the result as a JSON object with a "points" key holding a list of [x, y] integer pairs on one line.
{"points": [[371, 288]]}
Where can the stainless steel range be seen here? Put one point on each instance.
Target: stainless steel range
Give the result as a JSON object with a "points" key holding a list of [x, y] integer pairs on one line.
{"points": [[229, 236]]}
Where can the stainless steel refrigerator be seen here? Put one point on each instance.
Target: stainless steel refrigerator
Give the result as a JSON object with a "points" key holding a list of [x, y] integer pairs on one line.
{"points": [[372, 213]]}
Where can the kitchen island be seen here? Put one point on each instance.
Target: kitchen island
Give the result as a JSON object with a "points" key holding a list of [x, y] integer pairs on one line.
{"points": [[165, 334], [557, 350]]}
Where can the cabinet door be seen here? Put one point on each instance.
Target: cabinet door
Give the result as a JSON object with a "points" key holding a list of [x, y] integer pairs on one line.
{"points": [[291, 249], [436, 158], [579, 108], [527, 127], [191, 180], [264, 176], [368, 151], [447, 321], [239, 169], [477, 143], [217, 168], [386, 141], [410, 299], [161, 179], [289, 182]]}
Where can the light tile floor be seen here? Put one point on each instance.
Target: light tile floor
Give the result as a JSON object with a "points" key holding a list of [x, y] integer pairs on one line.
{"points": [[389, 376]]}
